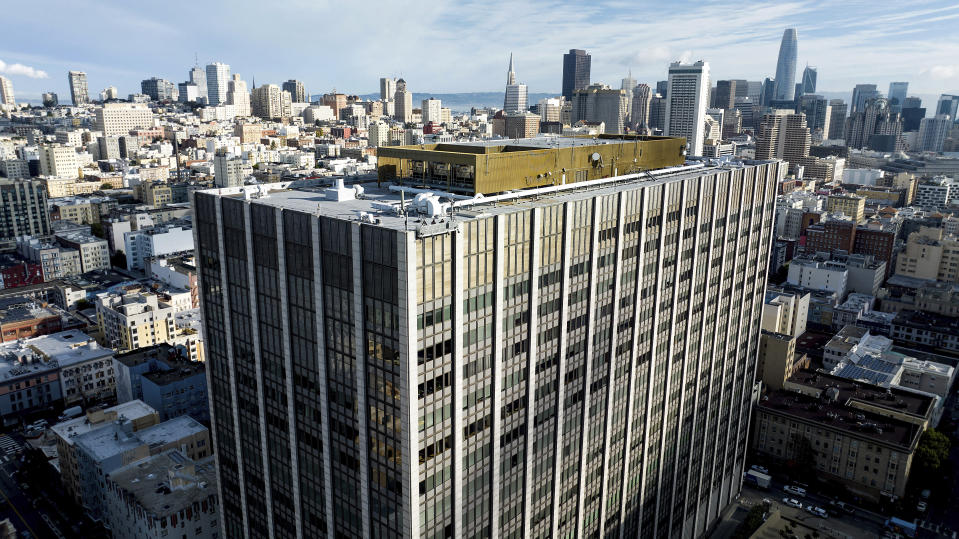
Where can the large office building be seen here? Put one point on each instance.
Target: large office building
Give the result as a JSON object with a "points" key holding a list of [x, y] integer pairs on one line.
{"points": [[576, 64], [897, 95], [598, 103], [217, 80], [296, 89], [639, 108], [159, 89], [808, 84], [571, 360], [78, 87], [687, 96], [862, 94], [785, 82], [403, 99], [198, 78], [387, 88], [23, 211]]}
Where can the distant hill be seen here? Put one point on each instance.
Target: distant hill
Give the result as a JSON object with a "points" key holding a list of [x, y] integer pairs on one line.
{"points": [[461, 102]]}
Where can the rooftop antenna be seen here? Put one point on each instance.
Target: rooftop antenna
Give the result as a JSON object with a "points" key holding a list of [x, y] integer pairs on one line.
{"points": [[196, 60]]}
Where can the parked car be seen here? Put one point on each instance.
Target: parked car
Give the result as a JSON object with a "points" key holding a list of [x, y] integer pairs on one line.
{"points": [[794, 490], [760, 469], [792, 502], [843, 506]]}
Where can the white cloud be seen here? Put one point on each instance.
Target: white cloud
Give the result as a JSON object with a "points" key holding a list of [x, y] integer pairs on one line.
{"points": [[941, 71], [20, 69]]}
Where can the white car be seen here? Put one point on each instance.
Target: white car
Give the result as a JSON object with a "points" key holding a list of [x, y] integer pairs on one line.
{"points": [[818, 511], [794, 490], [760, 469], [792, 502]]}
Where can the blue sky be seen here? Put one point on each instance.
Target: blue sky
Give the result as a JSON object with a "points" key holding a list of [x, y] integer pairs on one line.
{"points": [[446, 46]]}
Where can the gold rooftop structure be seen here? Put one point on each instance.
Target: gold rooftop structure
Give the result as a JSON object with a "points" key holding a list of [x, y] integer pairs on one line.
{"points": [[496, 166]]}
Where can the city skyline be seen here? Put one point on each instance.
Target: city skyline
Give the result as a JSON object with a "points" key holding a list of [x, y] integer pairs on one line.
{"points": [[885, 45]]}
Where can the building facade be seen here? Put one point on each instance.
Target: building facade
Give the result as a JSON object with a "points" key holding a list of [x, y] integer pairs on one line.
{"points": [[687, 97], [518, 377]]}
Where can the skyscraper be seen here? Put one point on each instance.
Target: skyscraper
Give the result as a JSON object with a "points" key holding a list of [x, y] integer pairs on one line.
{"points": [[688, 96], [860, 95], [387, 88], [837, 119], [217, 80], [6, 91], [547, 368], [639, 110], [78, 87], [809, 80], [627, 85], [948, 105], [431, 110], [515, 99], [818, 113], [786, 67], [297, 92], [159, 89], [932, 133], [875, 127], [404, 102], [575, 71], [198, 77], [897, 95], [600, 103], [784, 135], [725, 96], [657, 113]]}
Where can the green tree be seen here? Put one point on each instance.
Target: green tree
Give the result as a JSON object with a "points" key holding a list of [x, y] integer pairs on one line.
{"points": [[932, 453], [752, 522], [106, 185], [97, 230], [83, 304]]}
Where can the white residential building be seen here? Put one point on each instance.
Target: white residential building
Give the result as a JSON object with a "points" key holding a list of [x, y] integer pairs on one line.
{"points": [[156, 241], [61, 161], [819, 275]]}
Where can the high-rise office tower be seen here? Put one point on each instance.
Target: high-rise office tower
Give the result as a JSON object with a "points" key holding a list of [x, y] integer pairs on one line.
{"points": [[387, 88], [639, 111], [553, 367], [948, 105], [79, 92], [688, 95], [267, 101], [50, 99], [860, 95], [933, 132], [725, 96], [748, 110], [6, 91], [575, 71], [217, 80], [809, 80], [657, 113], [897, 95], [818, 113], [912, 113], [297, 92], [600, 103], [238, 96], [837, 119], [784, 135], [769, 92], [875, 127], [786, 67], [404, 102], [515, 99], [198, 77], [159, 89], [662, 86], [627, 85]]}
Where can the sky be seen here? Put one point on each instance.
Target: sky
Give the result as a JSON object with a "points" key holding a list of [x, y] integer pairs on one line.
{"points": [[446, 46]]}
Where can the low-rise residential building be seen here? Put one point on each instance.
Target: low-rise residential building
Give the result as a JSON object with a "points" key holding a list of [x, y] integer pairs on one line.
{"points": [[81, 209], [178, 270], [160, 240], [135, 413], [166, 379], [185, 503], [133, 319], [154, 193], [778, 359], [785, 313], [86, 368], [94, 252], [851, 206], [819, 275], [928, 330], [930, 254], [851, 310], [101, 451], [861, 436], [27, 383], [23, 318]]}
